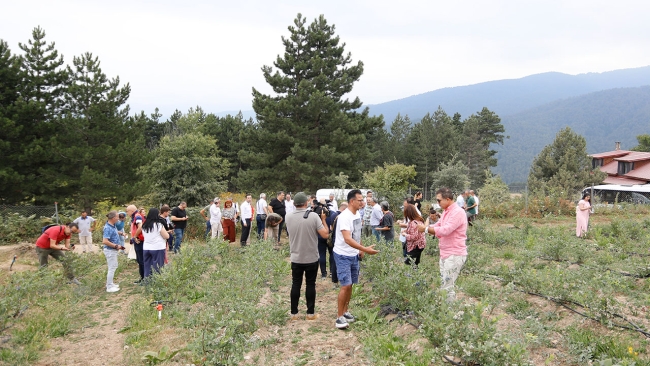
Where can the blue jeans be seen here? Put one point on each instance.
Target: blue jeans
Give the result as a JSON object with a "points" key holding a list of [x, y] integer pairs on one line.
{"points": [[375, 232], [178, 234], [208, 229], [347, 269], [261, 225]]}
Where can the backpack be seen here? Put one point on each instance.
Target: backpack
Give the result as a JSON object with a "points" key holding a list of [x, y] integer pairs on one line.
{"points": [[332, 236], [49, 226]]}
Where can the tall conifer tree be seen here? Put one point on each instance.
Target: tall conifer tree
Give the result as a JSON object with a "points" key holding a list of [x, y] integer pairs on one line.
{"points": [[10, 75], [308, 131], [41, 89]]}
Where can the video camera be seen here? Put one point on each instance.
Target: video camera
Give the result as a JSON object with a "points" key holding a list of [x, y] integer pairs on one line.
{"points": [[319, 208]]}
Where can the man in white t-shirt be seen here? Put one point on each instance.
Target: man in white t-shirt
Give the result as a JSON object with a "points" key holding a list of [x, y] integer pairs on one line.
{"points": [[260, 215], [460, 200], [86, 226], [347, 252], [290, 207]]}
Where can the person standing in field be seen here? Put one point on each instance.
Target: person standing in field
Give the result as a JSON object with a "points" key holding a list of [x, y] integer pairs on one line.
{"points": [[470, 207], [111, 241], [246, 219], [205, 213], [583, 210], [229, 218], [385, 227], [451, 231], [303, 245], [137, 238], [179, 219], [262, 211], [167, 222], [48, 245], [215, 218], [347, 251], [475, 200], [155, 242], [119, 225], [277, 206], [86, 227]]}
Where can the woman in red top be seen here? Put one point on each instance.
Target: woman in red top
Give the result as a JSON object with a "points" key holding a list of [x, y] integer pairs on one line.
{"points": [[48, 245], [415, 240]]}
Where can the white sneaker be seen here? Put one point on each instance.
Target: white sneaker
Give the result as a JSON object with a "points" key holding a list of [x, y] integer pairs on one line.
{"points": [[112, 289]]}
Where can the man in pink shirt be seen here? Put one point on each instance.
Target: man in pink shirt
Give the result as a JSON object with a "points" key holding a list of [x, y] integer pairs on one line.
{"points": [[451, 231]]}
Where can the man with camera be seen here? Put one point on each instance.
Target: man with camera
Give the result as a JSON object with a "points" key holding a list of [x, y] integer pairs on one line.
{"points": [[305, 227], [48, 245]]}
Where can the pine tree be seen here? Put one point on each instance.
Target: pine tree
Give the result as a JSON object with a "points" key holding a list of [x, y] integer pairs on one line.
{"points": [[41, 88], [398, 150], [434, 140], [92, 133], [563, 168], [308, 132], [10, 75], [480, 132]]}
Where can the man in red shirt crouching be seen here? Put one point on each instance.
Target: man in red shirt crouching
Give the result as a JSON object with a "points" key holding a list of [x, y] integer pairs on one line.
{"points": [[48, 244]]}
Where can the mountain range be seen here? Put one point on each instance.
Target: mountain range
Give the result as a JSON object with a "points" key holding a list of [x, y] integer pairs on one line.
{"points": [[603, 107]]}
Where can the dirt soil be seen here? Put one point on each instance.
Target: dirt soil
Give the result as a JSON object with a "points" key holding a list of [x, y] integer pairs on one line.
{"points": [[309, 342]]}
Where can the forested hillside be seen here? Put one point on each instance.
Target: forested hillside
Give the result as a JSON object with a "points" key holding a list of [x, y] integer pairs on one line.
{"points": [[601, 117], [507, 97]]}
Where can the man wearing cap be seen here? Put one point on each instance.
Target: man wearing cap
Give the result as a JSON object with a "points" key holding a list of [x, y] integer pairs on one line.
{"points": [[215, 218], [305, 227], [111, 241]]}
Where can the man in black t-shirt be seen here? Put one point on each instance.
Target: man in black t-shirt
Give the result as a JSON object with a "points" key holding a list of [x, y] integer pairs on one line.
{"points": [[179, 219], [277, 206]]}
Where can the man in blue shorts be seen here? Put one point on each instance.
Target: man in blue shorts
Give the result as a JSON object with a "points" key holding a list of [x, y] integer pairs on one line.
{"points": [[347, 251]]}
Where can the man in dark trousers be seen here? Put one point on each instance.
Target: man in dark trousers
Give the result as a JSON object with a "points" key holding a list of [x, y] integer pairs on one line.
{"points": [[277, 206], [305, 227], [179, 219], [48, 245]]}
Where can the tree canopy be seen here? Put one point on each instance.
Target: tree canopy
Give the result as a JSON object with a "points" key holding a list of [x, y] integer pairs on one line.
{"points": [[308, 131], [563, 168]]}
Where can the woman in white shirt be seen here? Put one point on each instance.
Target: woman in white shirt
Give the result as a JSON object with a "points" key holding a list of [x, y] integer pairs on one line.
{"points": [[261, 212], [155, 242]]}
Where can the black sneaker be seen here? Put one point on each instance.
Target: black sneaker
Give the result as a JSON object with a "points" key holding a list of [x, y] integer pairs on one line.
{"points": [[137, 282], [342, 323]]}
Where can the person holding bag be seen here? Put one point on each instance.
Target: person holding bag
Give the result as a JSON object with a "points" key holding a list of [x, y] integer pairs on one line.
{"points": [[415, 240]]}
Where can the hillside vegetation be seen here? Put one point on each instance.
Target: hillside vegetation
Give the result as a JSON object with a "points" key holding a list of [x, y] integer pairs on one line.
{"points": [[601, 118]]}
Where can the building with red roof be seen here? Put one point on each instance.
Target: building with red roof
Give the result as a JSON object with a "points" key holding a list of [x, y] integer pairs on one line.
{"points": [[622, 166]]}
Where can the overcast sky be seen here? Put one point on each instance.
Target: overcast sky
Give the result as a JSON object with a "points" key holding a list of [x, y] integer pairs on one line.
{"points": [[178, 54]]}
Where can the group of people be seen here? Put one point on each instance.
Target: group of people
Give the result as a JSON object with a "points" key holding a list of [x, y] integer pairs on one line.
{"points": [[269, 217], [341, 233], [468, 201], [309, 231]]}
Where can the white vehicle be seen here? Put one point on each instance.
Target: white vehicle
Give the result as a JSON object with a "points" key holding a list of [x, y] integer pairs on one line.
{"points": [[610, 193], [341, 195]]}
